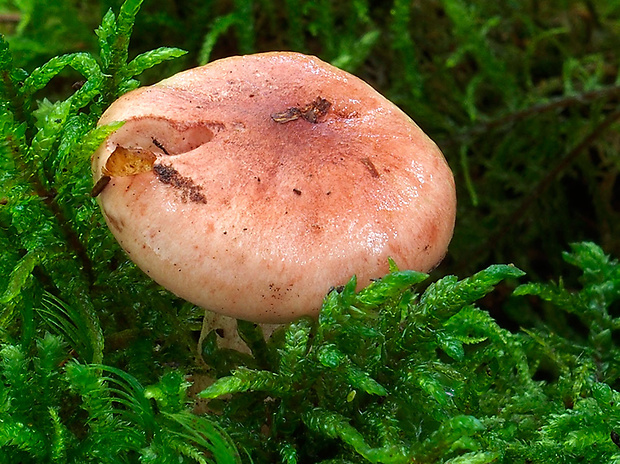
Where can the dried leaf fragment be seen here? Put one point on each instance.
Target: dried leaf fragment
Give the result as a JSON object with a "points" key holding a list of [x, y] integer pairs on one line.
{"points": [[312, 112], [124, 162], [128, 162]]}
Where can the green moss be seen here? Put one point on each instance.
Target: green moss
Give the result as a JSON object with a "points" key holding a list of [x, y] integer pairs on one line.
{"points": [[411, 368]]}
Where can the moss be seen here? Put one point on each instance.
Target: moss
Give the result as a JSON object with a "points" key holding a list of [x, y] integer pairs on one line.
{"points": [[96, 360]]}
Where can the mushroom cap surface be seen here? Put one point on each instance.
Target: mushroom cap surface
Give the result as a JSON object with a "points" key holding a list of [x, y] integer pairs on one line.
{"points": [[269, 179]]}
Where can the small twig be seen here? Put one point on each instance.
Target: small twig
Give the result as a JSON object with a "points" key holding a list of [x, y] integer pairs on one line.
{"points": [[546, 181], [10, 17], [551, 105]]}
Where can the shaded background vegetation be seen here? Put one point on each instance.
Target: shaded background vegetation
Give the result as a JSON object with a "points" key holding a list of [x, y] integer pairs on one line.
{"points": [[522, 96]]}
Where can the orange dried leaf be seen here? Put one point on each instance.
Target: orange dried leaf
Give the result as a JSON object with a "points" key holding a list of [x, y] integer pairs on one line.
{"points": [[129, 161]]}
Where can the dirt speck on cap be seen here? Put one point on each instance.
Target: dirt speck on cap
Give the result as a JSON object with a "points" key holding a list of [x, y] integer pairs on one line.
{"points": [[188, 190]]}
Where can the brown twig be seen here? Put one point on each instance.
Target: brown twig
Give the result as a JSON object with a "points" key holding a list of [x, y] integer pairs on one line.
{"points": [[10, 17], [546, 181], [551, 105]]}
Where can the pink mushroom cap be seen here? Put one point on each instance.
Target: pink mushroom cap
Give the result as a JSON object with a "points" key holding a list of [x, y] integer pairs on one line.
{"points": [[265, 180]]}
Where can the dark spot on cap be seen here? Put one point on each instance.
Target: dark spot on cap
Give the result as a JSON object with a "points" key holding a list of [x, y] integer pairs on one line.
{"points": [[186, 187]]}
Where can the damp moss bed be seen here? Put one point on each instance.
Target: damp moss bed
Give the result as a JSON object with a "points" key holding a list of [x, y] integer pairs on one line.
{"points": [[507, 353]]}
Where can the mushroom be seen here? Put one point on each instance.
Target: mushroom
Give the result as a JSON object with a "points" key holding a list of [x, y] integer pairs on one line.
{"points": [[254, 184]]}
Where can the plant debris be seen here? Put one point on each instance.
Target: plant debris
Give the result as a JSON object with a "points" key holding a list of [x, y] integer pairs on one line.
{"points": [[312, 112]]}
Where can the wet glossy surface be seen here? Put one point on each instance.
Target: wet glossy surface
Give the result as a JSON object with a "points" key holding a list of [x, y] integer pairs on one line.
{"points": [[258, 218]]}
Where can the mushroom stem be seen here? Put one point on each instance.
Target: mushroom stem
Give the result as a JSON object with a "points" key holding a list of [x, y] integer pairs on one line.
{"points": [[226, 329]]}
